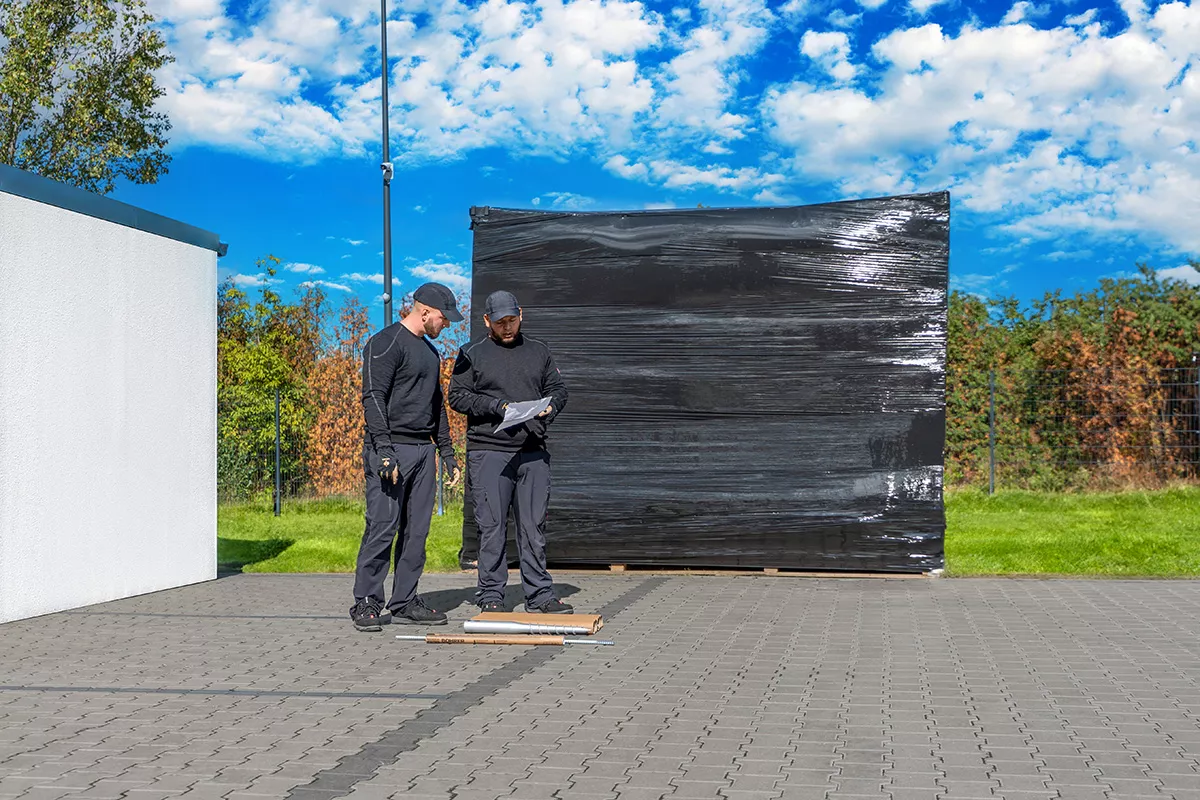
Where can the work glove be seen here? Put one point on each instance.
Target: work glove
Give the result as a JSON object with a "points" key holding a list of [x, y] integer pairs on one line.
{"points": [[452, 469], [389, 468], [499, 406], [536, 427]]}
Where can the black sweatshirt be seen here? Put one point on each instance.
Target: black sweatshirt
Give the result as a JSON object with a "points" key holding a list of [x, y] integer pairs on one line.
{"points": [[488, 374], [402, 396]]}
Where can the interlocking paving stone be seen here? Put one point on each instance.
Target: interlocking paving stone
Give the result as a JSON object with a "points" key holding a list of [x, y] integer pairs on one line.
{"points": [[814, 688]]}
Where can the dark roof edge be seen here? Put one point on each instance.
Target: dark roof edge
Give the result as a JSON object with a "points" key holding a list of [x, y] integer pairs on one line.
{"points": [[61, 195]]}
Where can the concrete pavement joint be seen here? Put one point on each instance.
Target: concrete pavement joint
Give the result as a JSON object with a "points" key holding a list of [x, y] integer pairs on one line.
{"points": [[364, 764]]}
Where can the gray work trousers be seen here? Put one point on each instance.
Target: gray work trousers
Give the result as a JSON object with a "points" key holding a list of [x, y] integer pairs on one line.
{"points": [[399, 512], [499, 479]]}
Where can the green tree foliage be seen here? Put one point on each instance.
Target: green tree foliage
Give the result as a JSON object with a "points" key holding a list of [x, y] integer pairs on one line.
{"points": [[263, 345], [77, 91], [1077, 379]]}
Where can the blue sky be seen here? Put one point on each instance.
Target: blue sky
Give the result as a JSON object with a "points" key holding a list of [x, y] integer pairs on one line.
{"points": [[1066, 132]]}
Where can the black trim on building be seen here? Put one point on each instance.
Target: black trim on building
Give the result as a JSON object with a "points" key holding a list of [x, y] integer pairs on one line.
{"points": [[61, 195]]}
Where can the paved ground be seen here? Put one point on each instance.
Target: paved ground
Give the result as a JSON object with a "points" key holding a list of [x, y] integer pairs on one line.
{"points": [[718, 687]]}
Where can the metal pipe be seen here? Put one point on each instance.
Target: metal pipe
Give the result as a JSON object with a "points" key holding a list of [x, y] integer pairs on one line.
{"points": [[503, 626], [496, 638], [991, 431], [278, 498], [387, 174]]}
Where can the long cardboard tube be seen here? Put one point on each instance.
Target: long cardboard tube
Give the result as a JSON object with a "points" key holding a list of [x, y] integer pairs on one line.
{"points": [[503, 626], [494, 638]]}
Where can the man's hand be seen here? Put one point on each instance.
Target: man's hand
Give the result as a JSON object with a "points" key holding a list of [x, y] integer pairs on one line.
{"points": [[389, 468], [455, 476], [549, 410]]}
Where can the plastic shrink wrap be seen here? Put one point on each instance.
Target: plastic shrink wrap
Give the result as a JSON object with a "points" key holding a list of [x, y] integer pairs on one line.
{"points": [[749, 387]]}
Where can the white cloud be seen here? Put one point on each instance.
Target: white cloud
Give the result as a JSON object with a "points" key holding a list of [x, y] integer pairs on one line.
{"points": [[304, 269], [455, 276], [830, 51], [260, 279], [1022, 11], [365, 277], [622, 166], [840, 19], [419, 209], [1054, 130], [922, 6], [674, 174], [1045, 129], [328, 285], [1185, 273], [700, 82], [300, 82], [1081, 20], [569, 200]]}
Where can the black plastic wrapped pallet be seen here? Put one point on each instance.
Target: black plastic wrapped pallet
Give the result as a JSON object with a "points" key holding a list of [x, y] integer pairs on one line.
{"points": [[749, 387]]}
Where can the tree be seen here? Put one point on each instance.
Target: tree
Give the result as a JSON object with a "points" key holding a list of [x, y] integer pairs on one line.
{"points": [[77, 91]]}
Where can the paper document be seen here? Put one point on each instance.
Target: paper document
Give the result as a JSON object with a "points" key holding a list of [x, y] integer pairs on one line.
{"points": [[516, 413]]}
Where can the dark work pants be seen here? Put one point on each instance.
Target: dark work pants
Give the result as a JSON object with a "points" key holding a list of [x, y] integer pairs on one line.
{"points": [[396, 511], [522, 480]]}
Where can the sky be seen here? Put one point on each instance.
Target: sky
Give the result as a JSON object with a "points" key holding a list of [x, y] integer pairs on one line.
{"points": [[1067, 132]]}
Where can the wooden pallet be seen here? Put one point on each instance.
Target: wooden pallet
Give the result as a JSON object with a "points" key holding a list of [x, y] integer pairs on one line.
{"points": [[714, 571]]}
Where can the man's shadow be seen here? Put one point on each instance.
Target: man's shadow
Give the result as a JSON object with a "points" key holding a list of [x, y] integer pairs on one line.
{"points": [[448, 600]]}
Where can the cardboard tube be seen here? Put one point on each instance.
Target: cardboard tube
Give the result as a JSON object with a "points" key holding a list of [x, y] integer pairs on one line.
{"points": [[503, 626]]}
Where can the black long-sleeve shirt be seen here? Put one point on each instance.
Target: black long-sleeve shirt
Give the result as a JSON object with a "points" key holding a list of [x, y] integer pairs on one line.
{"points": [[488, 374], [402, 394]]}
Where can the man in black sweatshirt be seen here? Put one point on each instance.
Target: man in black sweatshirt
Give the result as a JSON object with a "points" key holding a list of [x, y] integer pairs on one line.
{"points": [[511, 466], [402, 404]]}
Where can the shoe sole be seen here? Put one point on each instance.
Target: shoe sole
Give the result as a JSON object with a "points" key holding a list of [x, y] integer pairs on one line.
{"points": [[368, 628], [540, 611], [407, 621]]}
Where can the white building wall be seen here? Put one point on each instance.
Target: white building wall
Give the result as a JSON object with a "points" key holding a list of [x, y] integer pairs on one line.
{"points": [[107, 410]]}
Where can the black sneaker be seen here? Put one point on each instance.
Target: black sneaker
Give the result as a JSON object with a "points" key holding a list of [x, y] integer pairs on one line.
{"points": [[468, 564], [365, 614], [385, 615], [551, 606], [492, 606], [417, 613]]}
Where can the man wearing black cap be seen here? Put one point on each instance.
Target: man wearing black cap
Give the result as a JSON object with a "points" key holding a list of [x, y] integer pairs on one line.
{"points": [[402, 404], [509, 467]]}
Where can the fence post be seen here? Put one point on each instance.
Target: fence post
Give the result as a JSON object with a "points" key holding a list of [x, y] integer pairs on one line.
{"points": [[1196, 452], [277, 482], [991, 431]]}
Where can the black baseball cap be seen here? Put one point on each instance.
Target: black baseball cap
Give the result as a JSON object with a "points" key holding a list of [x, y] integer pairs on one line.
{"points": [[500, 305], [440, 297]]}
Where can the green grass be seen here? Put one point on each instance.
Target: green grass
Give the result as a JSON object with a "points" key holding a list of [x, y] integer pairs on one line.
{"points": [[1120, 535], [316, 536], [1012, 533]]}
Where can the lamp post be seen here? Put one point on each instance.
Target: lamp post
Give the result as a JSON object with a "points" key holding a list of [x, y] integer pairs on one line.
{"points": [[388, 172]]}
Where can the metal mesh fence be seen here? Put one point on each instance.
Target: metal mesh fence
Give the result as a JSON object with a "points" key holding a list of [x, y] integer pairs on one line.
{"points": [[1031, 429], [1073, 429]]}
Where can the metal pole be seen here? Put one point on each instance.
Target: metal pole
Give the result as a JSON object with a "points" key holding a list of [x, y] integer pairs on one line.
{"points": [[441, 483], [1196, 452], [991, 431], [387, 174], [277, 493]]}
